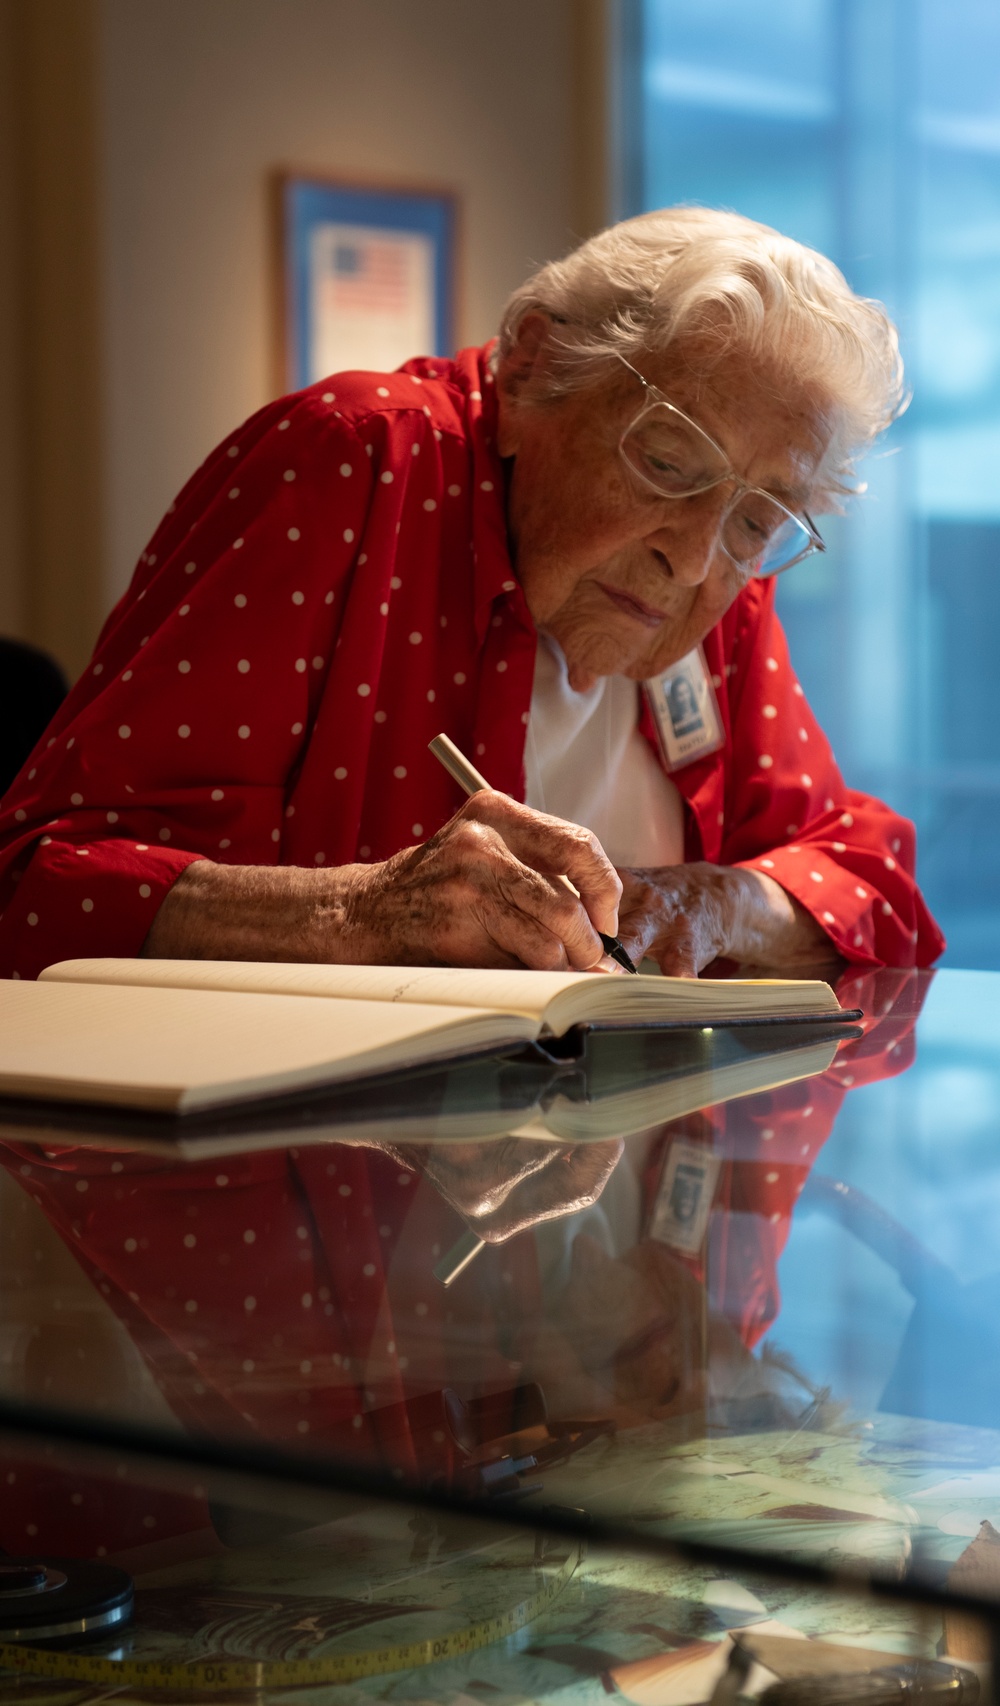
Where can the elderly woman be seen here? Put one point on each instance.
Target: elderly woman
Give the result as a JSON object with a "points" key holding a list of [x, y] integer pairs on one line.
{"points": [[503, 547]]}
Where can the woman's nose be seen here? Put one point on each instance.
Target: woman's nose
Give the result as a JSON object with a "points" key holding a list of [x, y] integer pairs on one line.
{"points": [[690, 541]]}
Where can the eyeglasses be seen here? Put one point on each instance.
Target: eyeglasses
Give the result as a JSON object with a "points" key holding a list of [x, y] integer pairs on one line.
{"points": [[672, 455]]}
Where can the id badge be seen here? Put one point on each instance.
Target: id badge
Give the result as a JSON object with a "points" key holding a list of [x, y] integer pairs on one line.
{"points": [[685, 711], [684, 1200]]}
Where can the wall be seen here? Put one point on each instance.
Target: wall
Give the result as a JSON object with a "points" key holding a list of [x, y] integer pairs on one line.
{"points": [[200, 103], [137, 143]]}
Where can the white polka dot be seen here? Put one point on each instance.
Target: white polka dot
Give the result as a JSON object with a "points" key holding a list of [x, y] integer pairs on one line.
{"points": [[329, 397], [300, 664], [803, 734], [817, 876], [20, 815], [348, 536], [431, 695], [225, 842], [233, 450], [368, 1269], [417, 829], [183, 611], [319, 858], [363, 690], [380, 716], [501, 666], [395, 583], [839, 846], [76, 799], [190, 568], [454, 491], [828, 918], [329, 598], [289, 474], [238, 543], [184, 730], [381, 391], [415, 639], [131, 1245], [459, 679], [32, 918], [249, 1304], [765, 761], [768, 864], [98, 669], [769, 711], [486, 485], [184, 667], [124, 731], [297, 728], [847, 820], [895, 845], [340, 773], [386, 477], [87, 905], [318, 662], [293, 534], [399, 772], [716, 681], [771, 664], [234, 492], [145, 890], [508, 586], [240, 600], [861, 893], [889, 862], [859, 940], [383, 610], [806, 781], [886, 909], [797, 690], [298, 597], [771, 1178], [243, 731], [164, 835], [344, 1190], [429, 504]]}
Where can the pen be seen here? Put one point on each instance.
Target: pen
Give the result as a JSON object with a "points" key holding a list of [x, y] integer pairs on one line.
{"points": [[469, 778]]}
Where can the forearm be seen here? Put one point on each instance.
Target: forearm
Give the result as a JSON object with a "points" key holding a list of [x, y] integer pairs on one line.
{"points": [[259, 912], [769, 926]]}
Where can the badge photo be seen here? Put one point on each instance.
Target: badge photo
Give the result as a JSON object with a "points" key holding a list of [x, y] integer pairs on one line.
{"points": [[685, 711]]}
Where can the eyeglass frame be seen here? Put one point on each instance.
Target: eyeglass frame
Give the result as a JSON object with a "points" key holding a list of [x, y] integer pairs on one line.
{"points": [[817, 542]]}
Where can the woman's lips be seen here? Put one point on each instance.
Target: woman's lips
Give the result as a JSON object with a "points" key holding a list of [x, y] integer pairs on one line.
{"points": [[637, 608]]}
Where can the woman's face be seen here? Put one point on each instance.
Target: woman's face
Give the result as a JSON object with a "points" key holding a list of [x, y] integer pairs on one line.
{"points": [[627, 582]]}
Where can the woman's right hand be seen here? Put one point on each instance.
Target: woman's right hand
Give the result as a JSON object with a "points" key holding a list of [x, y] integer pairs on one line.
{"points": [[483, 891]]}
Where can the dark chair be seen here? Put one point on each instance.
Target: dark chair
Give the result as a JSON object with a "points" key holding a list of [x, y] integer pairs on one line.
{"points": [[32, 688]]}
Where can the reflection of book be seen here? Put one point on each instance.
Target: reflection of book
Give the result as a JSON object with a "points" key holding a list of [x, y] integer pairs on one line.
{"points": [[185, 1035]]}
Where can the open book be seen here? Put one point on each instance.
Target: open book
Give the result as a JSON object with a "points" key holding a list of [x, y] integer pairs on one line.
{"points": [[185, 1035]]}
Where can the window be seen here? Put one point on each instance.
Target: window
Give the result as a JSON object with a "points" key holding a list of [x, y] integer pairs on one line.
{"points": [[871, 130]]}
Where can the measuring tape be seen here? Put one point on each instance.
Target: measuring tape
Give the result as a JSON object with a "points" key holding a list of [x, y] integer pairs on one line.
{"points": [[230, 1675]]}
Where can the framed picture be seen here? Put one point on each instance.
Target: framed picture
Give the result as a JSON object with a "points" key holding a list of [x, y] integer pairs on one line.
{"points": [[367, 276]]}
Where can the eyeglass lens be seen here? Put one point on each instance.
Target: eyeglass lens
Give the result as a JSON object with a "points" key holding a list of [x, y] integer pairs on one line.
{"points": [[676, 458]]}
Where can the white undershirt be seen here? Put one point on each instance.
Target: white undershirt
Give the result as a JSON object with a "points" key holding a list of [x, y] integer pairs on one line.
{"points": [[586, 761]]}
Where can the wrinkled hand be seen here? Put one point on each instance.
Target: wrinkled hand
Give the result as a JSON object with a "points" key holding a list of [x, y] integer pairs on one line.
{"points": [[482, 892], [686, 916], [502, 1188]]}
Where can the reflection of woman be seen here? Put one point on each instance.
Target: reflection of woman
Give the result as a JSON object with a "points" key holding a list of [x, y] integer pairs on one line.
{"points": [[684, 716]]}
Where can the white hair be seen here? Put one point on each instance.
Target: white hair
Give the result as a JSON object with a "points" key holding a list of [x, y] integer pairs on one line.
{"points": [[737, 285]]}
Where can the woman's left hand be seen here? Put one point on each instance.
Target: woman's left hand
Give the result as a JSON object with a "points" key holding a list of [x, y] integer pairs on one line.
{"points": [[686, 916]]}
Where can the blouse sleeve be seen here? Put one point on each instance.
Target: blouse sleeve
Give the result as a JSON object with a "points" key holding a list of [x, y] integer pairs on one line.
{"points": [[179, 738], [847, 858]]}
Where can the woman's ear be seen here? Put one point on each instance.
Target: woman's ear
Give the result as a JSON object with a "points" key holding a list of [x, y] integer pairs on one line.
{"points": [[517, 372]]}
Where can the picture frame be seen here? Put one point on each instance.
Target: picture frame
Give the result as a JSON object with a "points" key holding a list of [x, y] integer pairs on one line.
{"points": [[367, 275]]}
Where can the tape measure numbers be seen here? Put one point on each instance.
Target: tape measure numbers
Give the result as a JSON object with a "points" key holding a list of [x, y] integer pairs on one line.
{"points": [[230, 1675]]}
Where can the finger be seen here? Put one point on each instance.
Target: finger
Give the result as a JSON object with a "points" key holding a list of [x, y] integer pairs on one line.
{"points": [[554, 847], [522, 890]]}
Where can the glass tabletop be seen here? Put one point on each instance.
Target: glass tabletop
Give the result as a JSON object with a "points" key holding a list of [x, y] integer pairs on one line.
{"points": [[736, 1287]]}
